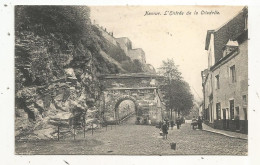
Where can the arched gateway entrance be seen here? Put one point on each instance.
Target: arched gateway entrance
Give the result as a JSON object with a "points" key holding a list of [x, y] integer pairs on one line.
{"points": [[141, 89], [123, 112]]}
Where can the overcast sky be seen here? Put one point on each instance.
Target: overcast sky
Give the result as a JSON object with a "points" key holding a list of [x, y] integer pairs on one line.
{"points": [[181, 37]]}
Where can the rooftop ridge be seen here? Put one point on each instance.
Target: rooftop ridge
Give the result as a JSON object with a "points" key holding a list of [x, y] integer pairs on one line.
{"points": [[241, 11]]}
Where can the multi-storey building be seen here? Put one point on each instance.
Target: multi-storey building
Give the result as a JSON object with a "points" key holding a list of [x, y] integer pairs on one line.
{"points": [[225, 81]]}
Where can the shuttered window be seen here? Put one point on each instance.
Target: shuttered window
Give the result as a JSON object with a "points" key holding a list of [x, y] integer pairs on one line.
{"points": [[231, 103], [218, 111]]}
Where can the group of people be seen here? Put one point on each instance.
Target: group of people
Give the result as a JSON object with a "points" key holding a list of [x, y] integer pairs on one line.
{"points": [[145, 121], [164, 126], [196, 122]]}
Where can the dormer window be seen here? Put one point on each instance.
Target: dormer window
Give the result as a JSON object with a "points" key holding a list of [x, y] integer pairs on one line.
{"points": [[230, 47]]}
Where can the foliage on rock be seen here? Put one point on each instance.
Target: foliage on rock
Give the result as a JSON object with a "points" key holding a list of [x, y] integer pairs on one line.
{"points": [[57, 58]]}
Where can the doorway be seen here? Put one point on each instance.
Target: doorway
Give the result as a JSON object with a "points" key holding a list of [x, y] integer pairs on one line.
{"points": [[225, 125], [125, 109]]}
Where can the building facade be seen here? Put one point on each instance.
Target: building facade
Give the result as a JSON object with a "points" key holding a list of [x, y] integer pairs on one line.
{"points": [[225, 81]]}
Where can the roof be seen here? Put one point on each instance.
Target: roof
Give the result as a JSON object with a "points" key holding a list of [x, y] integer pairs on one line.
{"points": [[230, 30], [204, 75], [240, 39], [209, 32]]}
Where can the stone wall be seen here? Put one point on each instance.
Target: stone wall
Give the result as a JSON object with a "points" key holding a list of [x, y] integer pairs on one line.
{"points": [[142, 91], [144, 100], [107, 35], [128, 83], [125, 44], [232, 125], [137, 54]]}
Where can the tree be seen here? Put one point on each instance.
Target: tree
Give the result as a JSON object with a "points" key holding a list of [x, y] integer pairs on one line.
{"points": [[176, 91], [170, 71]]}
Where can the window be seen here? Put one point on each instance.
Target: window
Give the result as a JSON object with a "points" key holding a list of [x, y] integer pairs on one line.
{"points": [[245, 113], [244, 100], [233, 73], [218, 111], [229, 49], [231, 104], [237, 112], [207, 114], [211, 112], [224, 114], [217, 82], [227, 113]]}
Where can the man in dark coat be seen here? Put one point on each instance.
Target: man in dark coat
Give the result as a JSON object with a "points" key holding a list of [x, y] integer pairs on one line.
{"points": [[178, 121], [172, 124], [165, 130], [199, 123]]}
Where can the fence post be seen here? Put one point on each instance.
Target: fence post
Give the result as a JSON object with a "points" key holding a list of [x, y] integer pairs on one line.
{"points": [[84, 130], [58, 132], [92, 128], [74, 133], [84, 126]]}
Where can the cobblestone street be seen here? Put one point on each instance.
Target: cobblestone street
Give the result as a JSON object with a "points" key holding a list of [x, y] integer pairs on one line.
{"points": [[131, 139]]}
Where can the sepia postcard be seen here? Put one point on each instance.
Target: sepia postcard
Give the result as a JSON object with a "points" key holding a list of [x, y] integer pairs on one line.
{"points": [[128, 80]]}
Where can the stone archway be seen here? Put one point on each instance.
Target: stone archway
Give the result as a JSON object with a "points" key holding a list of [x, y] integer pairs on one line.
{"points": [[142, 89], [118, 101]]}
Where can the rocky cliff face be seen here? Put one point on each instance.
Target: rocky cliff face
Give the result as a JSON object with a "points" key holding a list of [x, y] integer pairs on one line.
{"points": [[58, 54]]}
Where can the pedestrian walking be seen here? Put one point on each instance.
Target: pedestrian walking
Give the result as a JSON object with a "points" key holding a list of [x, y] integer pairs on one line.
{"points": [[165, 130], [172, 124], [168, 123], [178, 121], [199, 123], [194, 122]]}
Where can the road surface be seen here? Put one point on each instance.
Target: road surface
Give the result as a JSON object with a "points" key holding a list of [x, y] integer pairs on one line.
{"points": [[131, 139]]}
